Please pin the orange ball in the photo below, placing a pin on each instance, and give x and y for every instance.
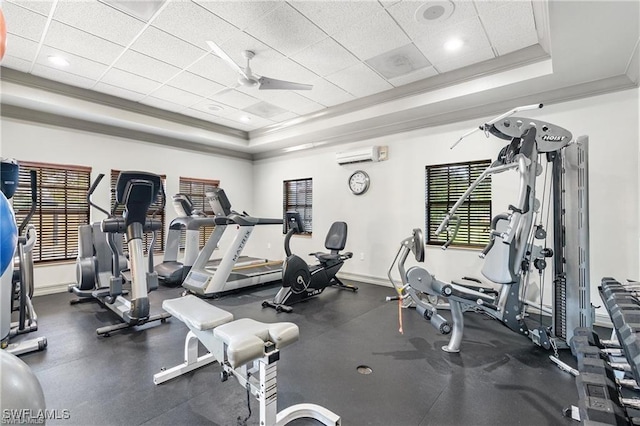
(3, 35)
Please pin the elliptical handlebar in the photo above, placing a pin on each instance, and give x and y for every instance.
(34, 202)
(93, 187)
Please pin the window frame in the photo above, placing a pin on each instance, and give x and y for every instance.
(146, 239)
(54, 223)
(199, 200)
(304, 206)
(452, 180)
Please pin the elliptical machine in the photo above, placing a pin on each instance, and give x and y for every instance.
(301, 281)
(136, 191)
(20, 280)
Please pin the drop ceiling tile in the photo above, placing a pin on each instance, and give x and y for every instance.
(99, 19)
(404, 14)
(41, 6)
(80, 43)
(146, 66)
(194, 24)
(118, 92)
(210, 107)
(416, 75)
(325, 57)
(61, 76)
(511, 27)
(488, 6)
(286, 30)
(162, 104)
(234, 99)
(167, 48)
(359, 80)
(245, 126)
(23, 22)
(265, 110)
(129, 81)
(199, 114)
(335, 16)
(16, 63)
(239, 13)
(21, 48)
(371, 37)
(398, 62)
(286, 69)
(195, 84)
(263, 54)
(284, 117)
(215, 69)
(326, 93)
(77, 65)
(292, 101)
(250, 120)
(476, 47)
(177, 96)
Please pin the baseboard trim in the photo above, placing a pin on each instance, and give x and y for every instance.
(368, 279)
(51, 289)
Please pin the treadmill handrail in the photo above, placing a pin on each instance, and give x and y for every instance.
(192, 223)
(251, 221)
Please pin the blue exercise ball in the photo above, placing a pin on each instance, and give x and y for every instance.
(8, 233)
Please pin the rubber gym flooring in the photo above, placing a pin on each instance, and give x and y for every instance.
(499, 378)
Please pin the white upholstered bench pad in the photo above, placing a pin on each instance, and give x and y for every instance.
(245, 338)
(196, 312)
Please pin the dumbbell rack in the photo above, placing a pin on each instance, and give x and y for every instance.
(609, 370)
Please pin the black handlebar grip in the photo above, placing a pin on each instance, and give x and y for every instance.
(94, 185)
(34, 186)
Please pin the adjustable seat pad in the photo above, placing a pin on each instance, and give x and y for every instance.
(245, 338)
(196, 312)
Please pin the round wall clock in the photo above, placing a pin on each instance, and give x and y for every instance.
(359, 182)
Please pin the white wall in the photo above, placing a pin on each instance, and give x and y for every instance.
(394, 204)
(34, 142)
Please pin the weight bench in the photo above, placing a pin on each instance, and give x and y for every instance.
(246, 349)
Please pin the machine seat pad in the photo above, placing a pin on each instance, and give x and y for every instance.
(325, 257)
(245, 338)
(196, 313)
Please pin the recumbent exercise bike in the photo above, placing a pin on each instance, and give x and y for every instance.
(301, 281)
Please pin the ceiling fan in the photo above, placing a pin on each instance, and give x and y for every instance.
(248, 79)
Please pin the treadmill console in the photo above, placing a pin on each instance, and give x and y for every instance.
(219, 202)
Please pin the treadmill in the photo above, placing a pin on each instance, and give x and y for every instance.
(171, 271)
(233, 271)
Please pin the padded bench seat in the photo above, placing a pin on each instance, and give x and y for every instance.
(196, 312)
(245, 338)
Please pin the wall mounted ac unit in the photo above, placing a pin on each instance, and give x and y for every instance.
(369, 153)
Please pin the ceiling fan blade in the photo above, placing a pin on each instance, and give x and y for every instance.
(222, 55)
(267, 83)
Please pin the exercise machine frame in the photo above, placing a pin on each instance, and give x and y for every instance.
(512, 252)
(301, 281)
(136, 191)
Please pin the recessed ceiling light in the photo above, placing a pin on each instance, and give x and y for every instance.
(435, 11)
(214, 107)
(453, 44)
(245, 118)
(58, 61)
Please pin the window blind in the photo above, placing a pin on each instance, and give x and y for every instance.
(61, 207)
(444, 185)
(196, 189)
(298, 195)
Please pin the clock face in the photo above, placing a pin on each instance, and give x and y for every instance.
(359, 182)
